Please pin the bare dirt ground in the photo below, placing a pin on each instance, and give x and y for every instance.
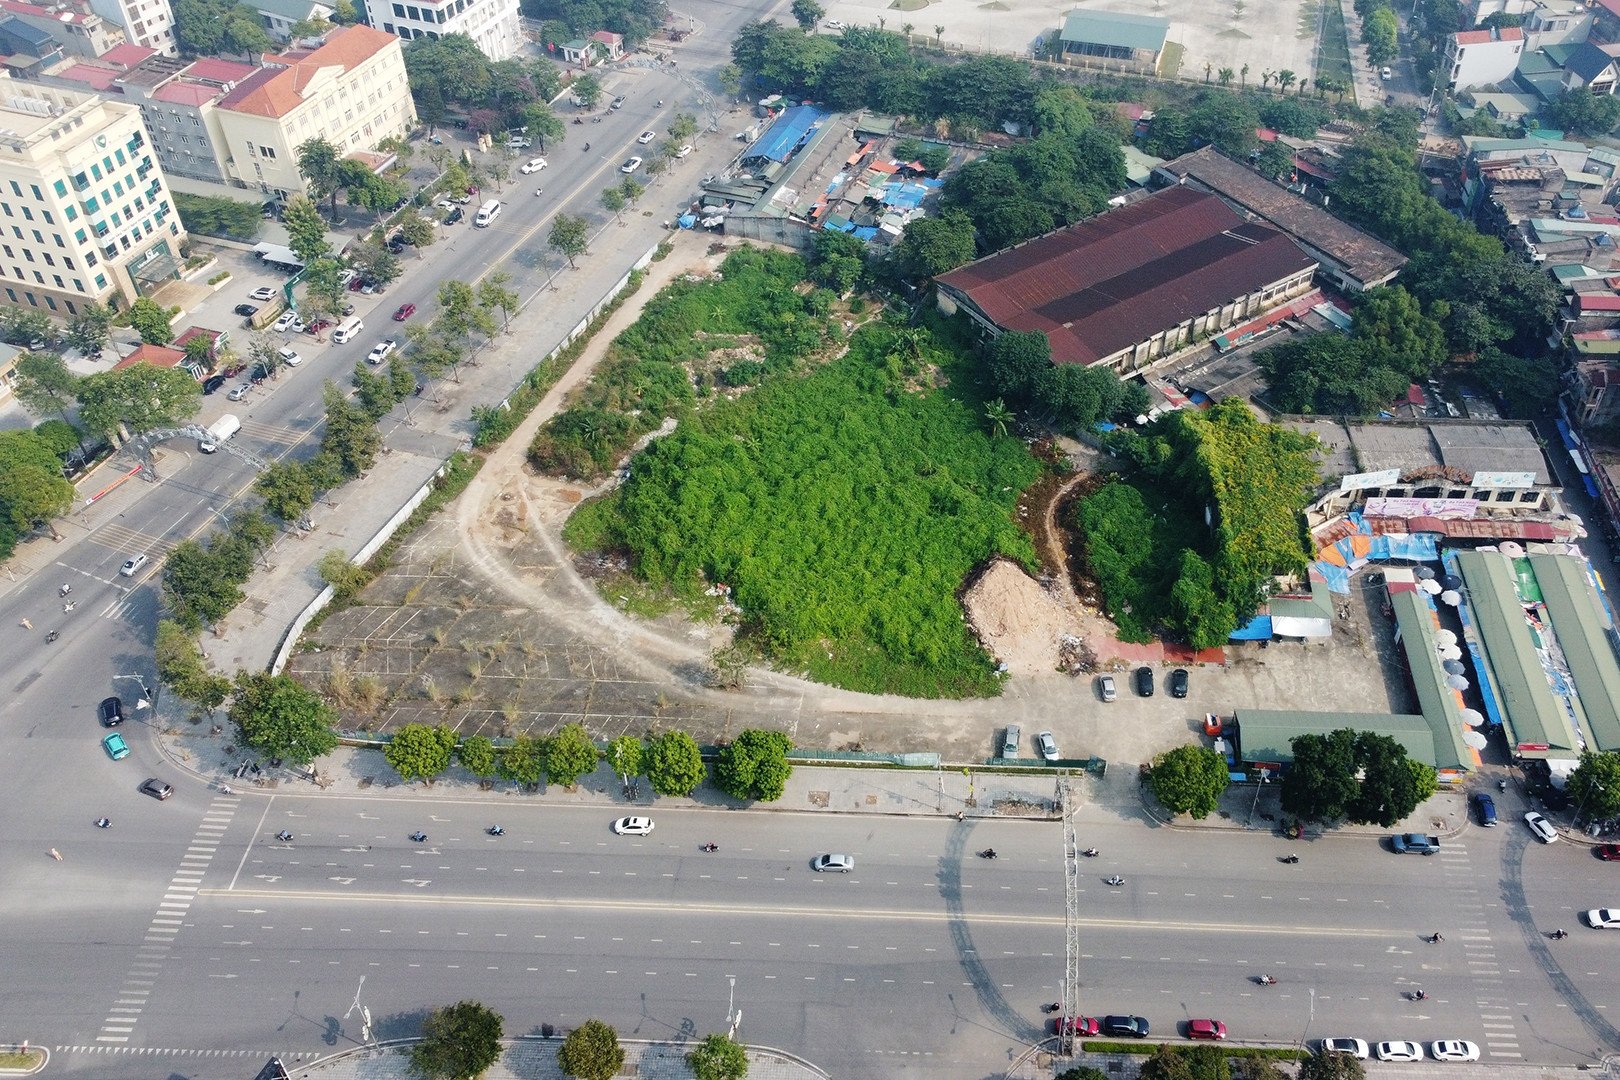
(485, 622)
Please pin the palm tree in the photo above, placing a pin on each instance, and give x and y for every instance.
(999, 416)
(1265, 80)
(1224, 77)
(1285, 79)
(1244, 73)
(938, 33)
(906, 28)
(882, 22)
(1208, 68)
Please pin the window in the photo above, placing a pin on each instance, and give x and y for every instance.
(269, 152)
(16, 189)
(48, 219)
(52, 303)
(29, 255)
(58, 279)
(35, 189)
(61, 189)
(72, 212)
(101, 281)
(28, 215)
(78, 236)
(95, 171)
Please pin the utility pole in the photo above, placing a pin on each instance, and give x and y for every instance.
(365, 1013)
(1071, 915)
(733, 1018)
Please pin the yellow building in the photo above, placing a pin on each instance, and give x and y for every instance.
(84, 210)
(350, 91)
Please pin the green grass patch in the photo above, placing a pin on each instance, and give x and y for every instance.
(1145, 1048)
(844, 508)
(1333, 51)
(21, 1060)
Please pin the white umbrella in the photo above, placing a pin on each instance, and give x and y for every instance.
(1430, 586)
(1424, 573)
(1471, 717)
(1474, 739)
(1456, 682)
(1511, 549)
(1451, 596)
(1451, 652)
(1446, 637)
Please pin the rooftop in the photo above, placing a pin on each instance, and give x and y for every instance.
(1467, 445)
(277, 91)
(1144, 32)
(1105, 284)
(127, 55)
(1365, 256)
(213, 69)
(18, 8)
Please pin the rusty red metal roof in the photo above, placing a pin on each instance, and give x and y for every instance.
(1109, 282)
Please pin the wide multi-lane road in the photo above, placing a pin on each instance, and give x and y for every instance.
(926, 957)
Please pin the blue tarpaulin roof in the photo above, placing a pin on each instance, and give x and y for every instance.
(1259, 629)
(782, 138)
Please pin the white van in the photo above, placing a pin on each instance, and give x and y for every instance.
(218, 432)
(487, 213)
(347, 329)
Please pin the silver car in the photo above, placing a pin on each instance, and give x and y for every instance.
(830, 864)
(1046, 746)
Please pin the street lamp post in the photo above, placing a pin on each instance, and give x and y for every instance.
(148, 698)
(733, 1017)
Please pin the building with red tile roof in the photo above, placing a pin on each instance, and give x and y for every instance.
(1132, 286)
(80, 33)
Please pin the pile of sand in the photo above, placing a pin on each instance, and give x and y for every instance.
(1016, 620)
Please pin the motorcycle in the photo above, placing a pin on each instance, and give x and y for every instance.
(1056, 1006)
(1559, 935)
(577, 120)
(710, 847)
(988, 853)
(1418, 995)
(419, 837)
(1289, 859)
(284, 836)
(495, 830)
(1116, 880)
(587, 148)
(1501, 785)
(1266, 980)
(1435, 938)
(52, 636)
(64, 590)
(1091, 853)
(104, 823)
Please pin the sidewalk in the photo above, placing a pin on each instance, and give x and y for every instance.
(536, 1059)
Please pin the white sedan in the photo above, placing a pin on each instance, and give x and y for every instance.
(630, 165)
(684, 150)
(1454, 1050)
(1399, 1051)
(533, 165)
(380, 353)
(1541, 827)
(633, 826)
(289, 357)
(1604, 918)
(1356, 1048)
(646, 137)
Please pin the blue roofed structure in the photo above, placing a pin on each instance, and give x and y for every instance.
(790, 131)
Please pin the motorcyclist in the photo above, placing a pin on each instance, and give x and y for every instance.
(284, 836)
(1116, 880)
(1267, 980)
(104, 823)
(1090, 853)
(419, 836)
(1420, 995)
(1435, 938)
(1560, 934)
(64, 590)
(496, 830)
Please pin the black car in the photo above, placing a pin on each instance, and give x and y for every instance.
(1134, 1026)
(110, 712)
(213, 384)
(1178, 682)
(453, 216)
(247, 311)
(1485, 807)
(1144, 681)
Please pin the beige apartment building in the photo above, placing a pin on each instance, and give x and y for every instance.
(351, 91)
(148, 23)
(85, 213)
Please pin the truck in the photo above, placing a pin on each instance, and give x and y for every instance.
(1414, 841)
(218, 432)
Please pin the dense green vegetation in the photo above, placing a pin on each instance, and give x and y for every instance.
(1159, 567)
(1360, 776)
(843, 508)
(231, 218)
(637, 20)
(451, 72)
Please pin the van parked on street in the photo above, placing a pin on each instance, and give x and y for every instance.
(347, 329)
(487, 213)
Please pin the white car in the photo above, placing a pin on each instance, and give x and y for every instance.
(380, 353)
(283, 324)
(834, 24)
(239, 392)
(533, 165)
(132, 565)
(1356, 1048)
(833, 864)
(1604, 918)
(633, 826)
(289, 357)
(630, 165)
(1454, 1050)
(262, 293)
(347, 276)
(1385, 73)
(684, 150)
(1046, 746)
(518, 144)
(1399, 1051)
(1541, 827)
(646, 137)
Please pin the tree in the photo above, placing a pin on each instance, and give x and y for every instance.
(306, 229)
(1584, 113)
(681, 128)
(587, 90)
(91, 329)
(197, 588)
(523, 762)
(613, 200)
(1321, 782)
(837, 260)
(417, 231)
(477, 755)
(152, 321)
(282, 717)
(181, 667)
(288, 488)
(351, 436)
(495, 293)
(1594, 787)
(459, 1042)
(1380, 33)
(44, 384)
(1189, 780)
(233, 219)
(718, 1057)
(341, 572)
(372, 260)
(674, 763)
(542, 123)
(420, 752)
(930, 246)
(1331, 1067)
(627, 755)
(591, 1052)
(754, 765)
(139, 398)
(32, 490)
(318, 165)
(568, 237)
(570, 754)
(807, 13)
(21, 326)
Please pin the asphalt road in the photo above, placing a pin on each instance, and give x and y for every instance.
(922, 959)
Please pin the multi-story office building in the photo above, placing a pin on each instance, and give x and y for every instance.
(351, 91)
(84, 210)
(81, 33)
(145, 22)
(493, 24)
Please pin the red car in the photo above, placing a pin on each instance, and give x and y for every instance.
(405, 311)
(1080, 1025)
(317, 326)
(1609, 852)
(1206, 1029)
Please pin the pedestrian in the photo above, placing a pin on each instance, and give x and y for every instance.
(26, 625)
(960, 816)
(57, 855)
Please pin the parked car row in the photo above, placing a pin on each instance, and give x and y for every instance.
(1440, 1049)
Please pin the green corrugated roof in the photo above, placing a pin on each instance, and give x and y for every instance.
(1582, 629)
(1264, 734)
(1437, 701)
(1145, 32)
(1530, 710)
